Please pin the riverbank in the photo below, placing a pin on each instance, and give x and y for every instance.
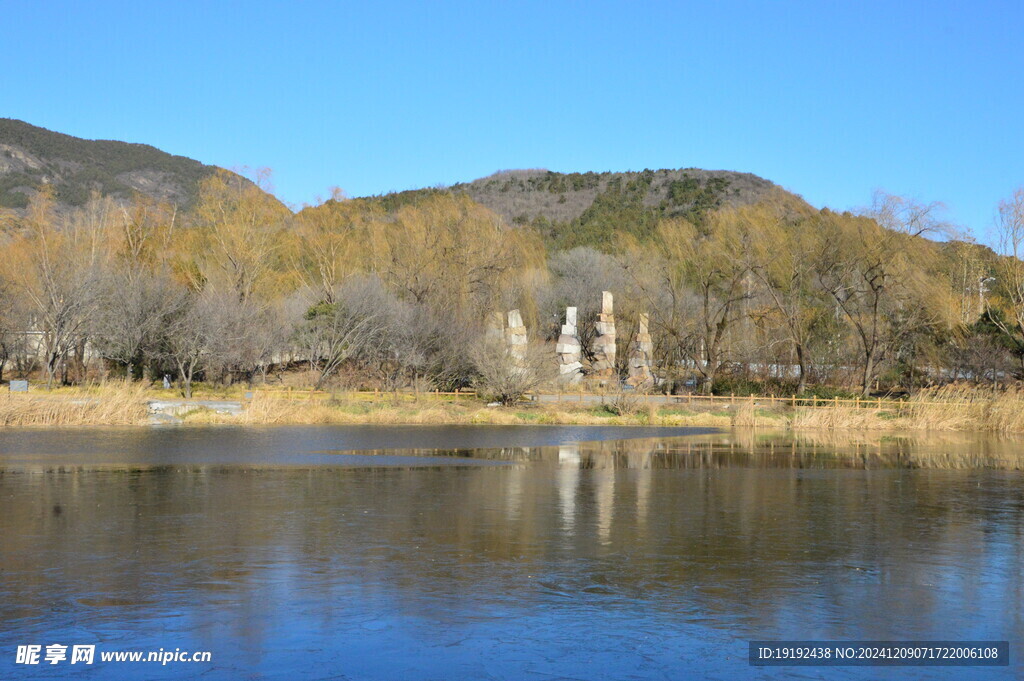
(119, 404)
(947, 409)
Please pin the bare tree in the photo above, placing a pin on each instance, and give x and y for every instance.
(333, 332)
(505, 377)
(1009, 278)
(909, 216)
(132, 311)
(251, 334)
(864, 265)
(407, 340)
(189, 336)
(784, 259)
(695, 284)
(14, 321)
(578, 278)
(56, 271)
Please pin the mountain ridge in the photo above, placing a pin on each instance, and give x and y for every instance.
(568, 209)
(32, 156)
(589, 208)
(662, 184)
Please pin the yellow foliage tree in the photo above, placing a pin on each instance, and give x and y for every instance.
(453, 255)
(238, 242)
(330, 243)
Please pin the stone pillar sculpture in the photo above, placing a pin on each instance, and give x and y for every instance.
(641, 355)
(516, 335)
(604, 345)
(569, 350)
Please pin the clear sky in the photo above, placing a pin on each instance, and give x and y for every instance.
(828, 99)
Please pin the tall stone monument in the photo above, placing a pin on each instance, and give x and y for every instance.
(604, 345)
(641, 356)
(569, 350)
(516, 335)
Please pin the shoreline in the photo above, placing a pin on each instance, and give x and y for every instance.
(136, 405)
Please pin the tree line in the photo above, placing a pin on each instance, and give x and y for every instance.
(774, 297)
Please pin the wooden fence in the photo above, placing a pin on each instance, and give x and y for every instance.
(604, 398)
(298, 394)
(756, 400)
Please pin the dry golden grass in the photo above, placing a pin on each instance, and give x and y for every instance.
(957, 407)
(704, 419)
(749, 415)
(838, 417)
(108, 405)
(949, 408)
(268, 409)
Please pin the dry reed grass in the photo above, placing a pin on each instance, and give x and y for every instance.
(267, 409)
(838, 417)
(107, 405)
(704, 419)
(749, 415)
(948, 408)
(958, 407)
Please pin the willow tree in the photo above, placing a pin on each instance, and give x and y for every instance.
(235, 258)
(330, 243)
(54, 264)
(971, 269)
(783, 259)
(239, 237)
(695, 282)
(136, 291)
(879, 271)
(454, 256)
(1009, 279)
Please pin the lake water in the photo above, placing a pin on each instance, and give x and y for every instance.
(501, 552)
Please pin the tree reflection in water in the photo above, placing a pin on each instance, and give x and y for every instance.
(644, 557)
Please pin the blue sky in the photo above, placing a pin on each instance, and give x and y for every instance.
(828, 99)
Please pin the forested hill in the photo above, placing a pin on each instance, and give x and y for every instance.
(31, 156)
(573, 209)
(568, 209)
